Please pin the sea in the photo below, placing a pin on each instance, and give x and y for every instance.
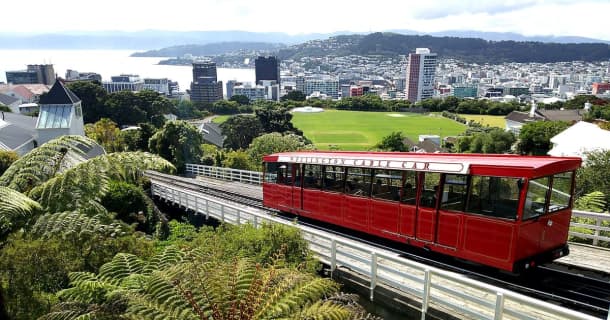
(109, 63)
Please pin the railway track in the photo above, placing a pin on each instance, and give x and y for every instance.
(576, 288)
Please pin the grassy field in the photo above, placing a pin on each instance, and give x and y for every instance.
(353, 130)
(220, 119)
(492, 121)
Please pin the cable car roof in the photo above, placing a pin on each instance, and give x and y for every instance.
(463, 163)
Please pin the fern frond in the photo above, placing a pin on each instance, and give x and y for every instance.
(324, 311)
(170, 256)
(75, 226)
(121, 266)
(16, 210)
(44, 162)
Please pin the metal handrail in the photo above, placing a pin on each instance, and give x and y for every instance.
(433, 287)
(255, 177)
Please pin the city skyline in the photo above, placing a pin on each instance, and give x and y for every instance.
(526, 17)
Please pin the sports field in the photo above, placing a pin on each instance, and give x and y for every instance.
(354, 130)
(492, 121)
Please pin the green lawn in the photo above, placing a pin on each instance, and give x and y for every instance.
(492, 121)
(354, 130)
(220, 119)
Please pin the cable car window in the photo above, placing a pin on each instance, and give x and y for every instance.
(284, 174)
(271, 169)
(386, 184)
(561, 191)
(494, 197)
(313, 176)
(537, 194)
(454, 192)
(333, 178)
(409, 190)
(358, 182)
(429, 189)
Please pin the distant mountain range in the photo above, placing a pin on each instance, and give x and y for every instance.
(154, 39)
(465, 49)
(210, 49)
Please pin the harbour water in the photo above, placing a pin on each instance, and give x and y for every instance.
(109, 63)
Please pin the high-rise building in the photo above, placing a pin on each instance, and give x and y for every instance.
(205, 87)
(421, 67)
(35, 73)
(267, 68)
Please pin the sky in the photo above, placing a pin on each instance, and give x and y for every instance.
(586, 18)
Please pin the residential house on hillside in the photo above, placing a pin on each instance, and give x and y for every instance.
(516, 119)
(17, 133)
(60, 114)
(11, 102)
(27, 93)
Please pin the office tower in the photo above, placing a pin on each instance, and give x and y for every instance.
(35, 73)
(421, 67)
(205, 87)
(267, 68)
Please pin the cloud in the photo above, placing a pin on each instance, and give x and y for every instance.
(435, 10)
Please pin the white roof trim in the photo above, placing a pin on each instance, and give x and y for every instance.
(389, 163)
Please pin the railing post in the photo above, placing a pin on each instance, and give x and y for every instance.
(222, 213)
(238, 217)
(499, 306)
(426, 298)
(207, 209)
(598, 223)
(333, 256)
(255, 222)
(373, 274)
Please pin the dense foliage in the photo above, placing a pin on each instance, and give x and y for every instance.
(393, 142)
(535, 137)
(595, 175)
(179, 142)
(6, 159)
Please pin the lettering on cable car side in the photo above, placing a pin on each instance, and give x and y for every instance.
(453, 167)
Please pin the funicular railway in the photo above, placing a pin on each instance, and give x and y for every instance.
(476, 300)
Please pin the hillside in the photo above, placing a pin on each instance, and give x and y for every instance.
(466, 49)
(209, 49)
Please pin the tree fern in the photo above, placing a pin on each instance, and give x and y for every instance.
(44, 162)
(76, 226)
(82, 187)
(16, 210)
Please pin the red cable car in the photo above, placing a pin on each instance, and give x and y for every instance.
(506, 211)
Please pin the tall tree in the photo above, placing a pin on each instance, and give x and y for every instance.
(93, 97)
(275, 142)
(294, 95)
(276, 119)
(392, 142)
(106, 133)
(535, 138)
(240, 130)
(178, 142)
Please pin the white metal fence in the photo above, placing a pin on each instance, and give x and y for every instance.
(432, 287)
(590, 225)
(244, 176)
(594, 226)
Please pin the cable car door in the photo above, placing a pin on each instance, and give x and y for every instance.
(426, 214)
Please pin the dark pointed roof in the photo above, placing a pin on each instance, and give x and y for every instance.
(59, 94)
